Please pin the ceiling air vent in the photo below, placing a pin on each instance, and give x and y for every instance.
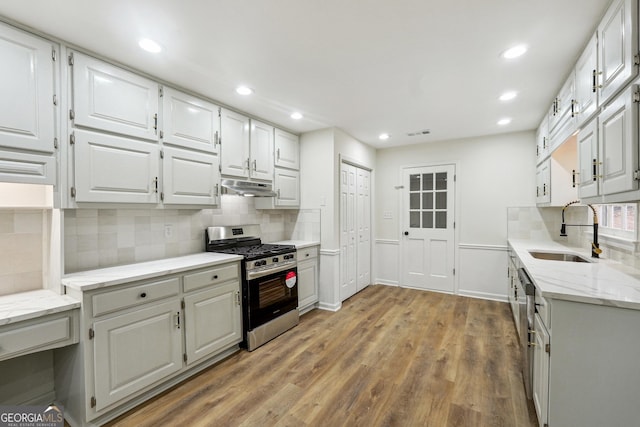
(420, 132)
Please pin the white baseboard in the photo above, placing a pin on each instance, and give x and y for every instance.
(330, 307)
(386, 282)
(483, 295)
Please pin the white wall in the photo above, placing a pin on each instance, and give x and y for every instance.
(493, 173)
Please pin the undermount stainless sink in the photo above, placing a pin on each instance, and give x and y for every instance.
(558, 256)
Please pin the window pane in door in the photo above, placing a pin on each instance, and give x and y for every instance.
(427, 181)
(427, 200)
(441, 181)
(441, 200)
(414, 183)
(427, 219)
(441, 219)
(414, 219)
(414, 201)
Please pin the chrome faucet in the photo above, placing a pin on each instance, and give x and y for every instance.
(595, 247)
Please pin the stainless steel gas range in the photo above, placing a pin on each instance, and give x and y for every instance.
(269, 281)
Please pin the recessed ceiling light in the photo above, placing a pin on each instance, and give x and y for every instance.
(384, 136)
(505, 121)
(296, 116)
(508, 96)
(244, 90)
(514, 52)
(150, 46)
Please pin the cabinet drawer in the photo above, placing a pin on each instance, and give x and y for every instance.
(210, 276)
(135, 295)
(40, 334)
(307, 253)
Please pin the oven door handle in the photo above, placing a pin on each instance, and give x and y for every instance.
(261, 273)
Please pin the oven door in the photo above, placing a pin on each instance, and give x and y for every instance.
(271, 296)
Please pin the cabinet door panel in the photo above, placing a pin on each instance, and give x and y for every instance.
(541, 372)
(27, 87)
(287, 150)
(586, 90)
(114, 169)
(134, 350)
(261, 151)
(189, 177)
(587, 155)
(307, 282)
(234, 150)
(618, 45)
(619, 144)
(112, 99)
(287, 185)
(27, 168)
(212, 320)
(190, 122)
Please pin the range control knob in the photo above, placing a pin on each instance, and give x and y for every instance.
(275, 259)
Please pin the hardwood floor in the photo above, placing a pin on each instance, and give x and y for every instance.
(389, 357)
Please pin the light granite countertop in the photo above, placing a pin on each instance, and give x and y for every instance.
(95, 279)
(30, 305)
(601, 281)
(299, 244)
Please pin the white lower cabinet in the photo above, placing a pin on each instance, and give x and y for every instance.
(212, 320)
(308, 271)
(138, 339)
(135, 350)
(540, 370)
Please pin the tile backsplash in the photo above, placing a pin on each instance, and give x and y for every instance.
(95, 238)
(23, 240)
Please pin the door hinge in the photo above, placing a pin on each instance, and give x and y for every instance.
(53, 54)
(71, 59)
(73, 194)
(238, 297)
(55, 143)
(636, 175)
(636, 96)
(455, 177)
(161, 134)
(162, 196)
(91, 333)
(219, 112)
(161, 91)
(454, 224)
(220, 168)
(55, 99)
(184, 357)
(182, 304)
(161, 154)
(93, 401)
(547, 348)
(72, 115)
(636, 59)
(454, 271)
(72, 139)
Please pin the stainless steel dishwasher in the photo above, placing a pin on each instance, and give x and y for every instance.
(527, 316)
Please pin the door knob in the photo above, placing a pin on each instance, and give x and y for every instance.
(406, 233)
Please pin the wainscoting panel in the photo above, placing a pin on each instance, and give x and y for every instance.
(483, 271)
(386, 268)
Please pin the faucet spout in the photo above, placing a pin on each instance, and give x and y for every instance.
(595, 246)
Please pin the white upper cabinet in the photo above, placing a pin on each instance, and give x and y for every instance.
(109, 98)
(234, 149)
(562, 121)
(287, 150)
(189, 177)
(586, 90)
(618, 144)
(542, 140)
(618, 39)
(287, 186)
(189, 122)
(261, 151)
(588, 159)
(543, 182)
(113, 169)
(27, 110)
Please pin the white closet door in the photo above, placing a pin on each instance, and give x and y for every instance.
(363, 223)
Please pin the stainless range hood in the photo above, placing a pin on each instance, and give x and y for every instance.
(248, 188)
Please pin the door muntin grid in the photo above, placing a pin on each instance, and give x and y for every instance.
(428, 200)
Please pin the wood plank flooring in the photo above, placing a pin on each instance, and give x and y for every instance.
(389, 357)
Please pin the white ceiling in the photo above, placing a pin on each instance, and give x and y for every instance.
(365, 66)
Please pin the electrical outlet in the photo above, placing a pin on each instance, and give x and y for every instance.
(168, 230)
